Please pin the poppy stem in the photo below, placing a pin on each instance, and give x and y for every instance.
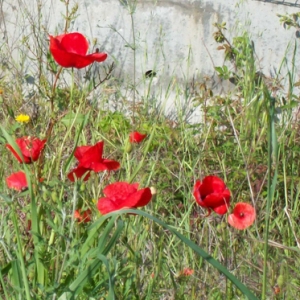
(72, 89)
(67, 18)
(51, 124)
(48, 135)
(272, 160)
(54, 89)
(20, 255)
(134, 63)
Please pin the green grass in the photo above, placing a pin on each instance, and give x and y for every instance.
(240, 138)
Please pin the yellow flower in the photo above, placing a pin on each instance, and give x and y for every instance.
(22, 118)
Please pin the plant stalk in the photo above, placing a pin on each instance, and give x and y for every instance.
(272, 157)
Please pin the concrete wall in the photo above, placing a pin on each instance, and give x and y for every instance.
(173, 37)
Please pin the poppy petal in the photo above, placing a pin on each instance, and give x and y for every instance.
(98, 57)
(74, 42)
(120, 189)
(79, 172)
(212, 193)
(243, 216)
(140, 198)
(197, 194)
(216, 199)
(93, 154)
(120, 195)
(79, 151)
(106, 205)
(211, 184)
(26, 160)
(106, 164)
(221, 209)
(17, 181)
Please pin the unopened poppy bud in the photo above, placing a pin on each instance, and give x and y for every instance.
(280, 280)
(74, 9)
(45, 196)
(128, 148)
(31, 274)
(54, 196)
(41, 248)
(82, 187)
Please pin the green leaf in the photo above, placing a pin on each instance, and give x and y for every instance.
(106, 242)
(72, 119)
(6, 198)
(111, 293)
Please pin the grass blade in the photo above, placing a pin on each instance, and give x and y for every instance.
(193, 246)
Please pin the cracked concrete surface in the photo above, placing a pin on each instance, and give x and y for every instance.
(173, 37)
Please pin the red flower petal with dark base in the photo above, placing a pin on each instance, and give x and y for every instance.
(30, 147)
(212, 193)
(136, 137)
(121, 195)
(17, 181)
(243, 216)
(69, 50)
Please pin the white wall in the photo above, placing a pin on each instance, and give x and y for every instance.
(174, 37)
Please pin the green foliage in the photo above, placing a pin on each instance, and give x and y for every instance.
(289, 20)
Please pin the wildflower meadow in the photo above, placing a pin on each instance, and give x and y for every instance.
(127, 204)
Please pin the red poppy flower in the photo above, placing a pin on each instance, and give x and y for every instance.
(243, 216)
(70, 51)
(30, 147)
(90, 159)
(186, 272)
(136, 137)
(84, 216)
(17, 181)
(212, 194)
(121, 195)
